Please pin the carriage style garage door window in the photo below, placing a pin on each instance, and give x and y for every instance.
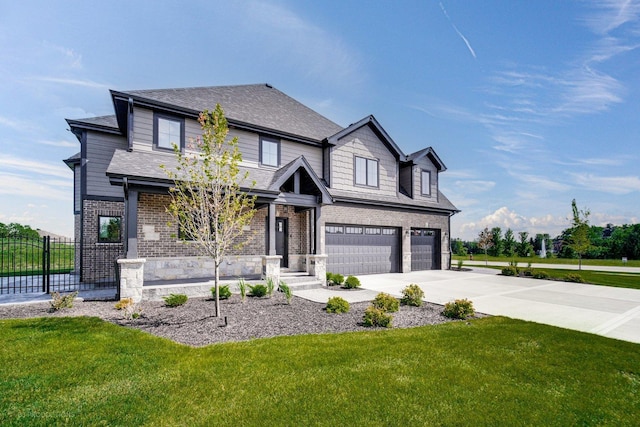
(357, 249)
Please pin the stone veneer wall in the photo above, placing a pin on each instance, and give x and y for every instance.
(389, 217)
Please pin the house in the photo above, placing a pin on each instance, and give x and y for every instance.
(329, 198)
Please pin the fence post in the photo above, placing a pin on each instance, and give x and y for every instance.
(44, 263)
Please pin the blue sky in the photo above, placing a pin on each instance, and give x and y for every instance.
(528, 104)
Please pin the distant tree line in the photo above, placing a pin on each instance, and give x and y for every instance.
(610, 242)
(17, 231)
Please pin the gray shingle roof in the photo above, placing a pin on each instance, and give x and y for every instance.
(258, 104)
(443, 203)
(146, 166)
(101, 121)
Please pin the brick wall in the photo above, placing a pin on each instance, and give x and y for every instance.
(98, 258)
(158, 232)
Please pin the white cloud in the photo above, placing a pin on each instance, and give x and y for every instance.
(612, 14)
(34, 167)
(72, 82)
(29, 187)
(506, 218)
(607, 184)
(61, 143)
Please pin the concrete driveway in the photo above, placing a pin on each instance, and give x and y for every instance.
(602, 310)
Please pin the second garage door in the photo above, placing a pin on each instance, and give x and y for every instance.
(355, 249)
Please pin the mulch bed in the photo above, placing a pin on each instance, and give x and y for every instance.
(194, 323)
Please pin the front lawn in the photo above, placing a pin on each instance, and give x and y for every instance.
(491, 371)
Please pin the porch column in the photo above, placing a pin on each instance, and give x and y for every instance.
(272, 230)
(131, 216)
(131, 278)
(319, 238)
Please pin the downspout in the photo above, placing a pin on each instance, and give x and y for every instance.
(130, 125)
(449, 227)
(125, 187)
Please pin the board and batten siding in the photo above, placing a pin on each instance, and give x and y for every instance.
(363, 143)
(77, 189)
(100, 148)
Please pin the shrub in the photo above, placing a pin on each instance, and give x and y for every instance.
(573, 277)
(386, 302)
(510, 271)
(351, 282)
(242, 287)
(270, 286)
(174, 300)
(59, 301)
(460, 263)
(123, 303)
(223, 292)
(286, 290)
(528, 272)
(459, 309)
(337, 279)
(540, 275)
(257, 290)
(329, 279)
(337, 305)
(129, 309)
(412, 295)
(374, 316)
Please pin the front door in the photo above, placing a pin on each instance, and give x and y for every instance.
(282, 241)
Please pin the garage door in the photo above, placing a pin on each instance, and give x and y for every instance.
(355, 249)
(424, 249)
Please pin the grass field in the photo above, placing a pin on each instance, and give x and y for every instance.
(523, 261)
(492, 371)
(22, 257)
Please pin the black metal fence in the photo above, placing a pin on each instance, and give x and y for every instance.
(57, 265)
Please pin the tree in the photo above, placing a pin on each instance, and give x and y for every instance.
(206, 199)
(524, 247)
(509, 243)
(498, 243)
(457, 247)
(579, 239)
(485, 242)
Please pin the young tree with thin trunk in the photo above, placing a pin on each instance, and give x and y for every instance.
(206, 200)
(579, 239)
(485, 242)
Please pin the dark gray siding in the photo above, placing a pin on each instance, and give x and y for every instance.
(100, 148)
(76, 189)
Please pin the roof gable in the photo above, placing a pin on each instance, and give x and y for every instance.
(287, 171)
(431, 154)
(375, 126)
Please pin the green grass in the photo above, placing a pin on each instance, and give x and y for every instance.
(523, 261)
(20, 257)
(615, 279)
(492, 371)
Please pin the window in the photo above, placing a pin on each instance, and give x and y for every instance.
(425, 183)
(389, 231)
(168, 131)
(334, 229)
(109, 229)
(353, 230)
(366, 172)
(372, 231)
(269, 152)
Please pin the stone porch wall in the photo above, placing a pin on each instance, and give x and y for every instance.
(180, 268)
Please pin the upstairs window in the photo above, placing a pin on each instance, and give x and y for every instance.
(269, 152)
(366, 172)
(425, 183)
(168, 131)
